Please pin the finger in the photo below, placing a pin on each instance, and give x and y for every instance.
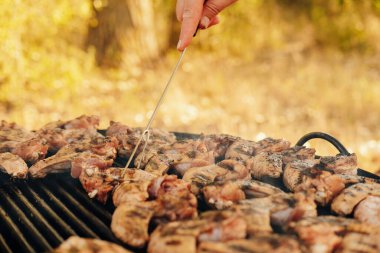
(192, 12)
(214, 21)
(179, 9)
(212, 8)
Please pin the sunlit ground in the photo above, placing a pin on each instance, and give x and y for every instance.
(284, 95)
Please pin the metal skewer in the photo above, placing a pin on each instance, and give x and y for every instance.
(147, 128)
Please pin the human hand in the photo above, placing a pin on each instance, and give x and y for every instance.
(197, 12)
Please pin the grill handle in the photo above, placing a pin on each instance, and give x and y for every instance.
(319, 135)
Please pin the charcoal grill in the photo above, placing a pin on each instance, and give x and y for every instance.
(36, 215)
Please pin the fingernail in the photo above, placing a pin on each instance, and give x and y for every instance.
(179, 44)
(205, 22)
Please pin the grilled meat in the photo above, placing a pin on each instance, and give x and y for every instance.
(241, 150)
(11, 135)
(368, 210)
(134, 187)
(99, 148)
(359, 243)
(96, 177)
(85, 245)
(180, 156)
(31, 150)
(221, 172)
(297, 153)
(258, 244)
(224, 195)
(324, 233)
(182, 236)
(130, 222)
(346, 201)
(283, 208)
(174, 199)
(128, 138)
(13, 165)
(265, 164)
(340, 164)
(304, 175)
(219, 143)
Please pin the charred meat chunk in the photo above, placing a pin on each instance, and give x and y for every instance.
(13, 165)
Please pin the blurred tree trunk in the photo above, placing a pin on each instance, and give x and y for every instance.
(123, 32)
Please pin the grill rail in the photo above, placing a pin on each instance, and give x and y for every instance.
(38, 215)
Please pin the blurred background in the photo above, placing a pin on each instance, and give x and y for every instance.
(279, 68)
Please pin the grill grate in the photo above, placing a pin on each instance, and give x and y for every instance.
(37, 215)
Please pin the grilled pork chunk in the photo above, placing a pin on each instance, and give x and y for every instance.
(359, 243)
(102, 149)
(128, 138)
(241, 150)
(130, 222)
(174, 199)
(324, 233)
(180, 156)
(182, 236)
(297, 153)
(11, 134)
(346, 201)
(265, 164)
(340, 164)
(223, 195)
(31, 150)
(219, 143)
(134, 187)
(368, 210)
(97, 176)
(13, 165)
(222, 172)
(270, 243)
(304, 175)
(85, 245)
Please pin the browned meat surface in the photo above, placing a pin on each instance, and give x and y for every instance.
(283, 208)
(368, 210)
(134, 187)
(31, 150)
(324, 233)
(258, 244)
(182, 236)
(174, 199)
(241, 150)
(346, 201)
(297, 153)
(13, 165)
(340, 164)
(222, 172)
(97, 178)
(304, 175)
(180, 156)
(103, 150)
(223, 195)
(271, 145)
(265, 164)
(86, 245)
(81, 122)
(12, 134)
(130, 222)
(219, 143)
(128, 138)
(359, 243)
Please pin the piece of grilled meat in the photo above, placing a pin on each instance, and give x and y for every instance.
(219, 143)
(11, 134)
(85, 245)
(221, 172)
(134, 187)
(130, 222)
(359, 243)
(270, 243)
(128, 138)
(340, 164)
(222, 195)
(323, 234)
(13, 165)
(182, 236)
(368, 210)
(346, 201)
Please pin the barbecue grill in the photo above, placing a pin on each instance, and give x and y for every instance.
(36, 215)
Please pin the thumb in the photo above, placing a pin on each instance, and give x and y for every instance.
(212, 8)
